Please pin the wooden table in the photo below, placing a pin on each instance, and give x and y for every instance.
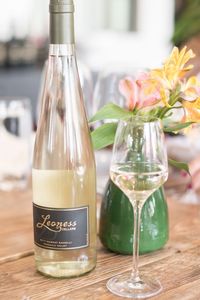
(177, 265)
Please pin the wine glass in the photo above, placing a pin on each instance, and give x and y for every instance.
(15, 137)
(107, 85)
(139, 166)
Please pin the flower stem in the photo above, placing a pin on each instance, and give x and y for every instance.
(173, 99)
(163, 112)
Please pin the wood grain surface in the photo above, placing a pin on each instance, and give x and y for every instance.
(177, 266)
(16, 221)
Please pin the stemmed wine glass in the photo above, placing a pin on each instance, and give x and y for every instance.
(139, 166)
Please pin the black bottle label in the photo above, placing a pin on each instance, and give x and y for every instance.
(60, 229)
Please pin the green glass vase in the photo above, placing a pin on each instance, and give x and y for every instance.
(116, 222)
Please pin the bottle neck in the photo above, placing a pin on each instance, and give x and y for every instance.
(57, 50)
(62, 28)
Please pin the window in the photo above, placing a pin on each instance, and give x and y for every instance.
(124, 31)
(121, 15)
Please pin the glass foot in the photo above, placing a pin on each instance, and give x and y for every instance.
(139, 288)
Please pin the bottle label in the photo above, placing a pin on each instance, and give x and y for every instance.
(60, 229)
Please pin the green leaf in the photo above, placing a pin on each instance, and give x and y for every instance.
(109, 112)
(179, 165)
(177, 127)
(104, 135)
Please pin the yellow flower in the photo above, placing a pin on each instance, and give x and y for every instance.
(190, 93)
(165, 96)
(174, 68)
(153, 86)
(190, 90)
(192, 111)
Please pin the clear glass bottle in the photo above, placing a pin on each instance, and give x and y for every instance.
(64, 177)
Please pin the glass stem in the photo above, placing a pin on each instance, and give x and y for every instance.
(136, 241)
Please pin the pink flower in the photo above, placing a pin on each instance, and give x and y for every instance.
(141, 92)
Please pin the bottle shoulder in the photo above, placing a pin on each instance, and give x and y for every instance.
(63, 136)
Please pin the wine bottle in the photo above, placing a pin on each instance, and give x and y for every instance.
(63, 176)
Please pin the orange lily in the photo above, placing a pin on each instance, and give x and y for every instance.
(190, 91)
(191, 111)
(139, 93)
(174, 68)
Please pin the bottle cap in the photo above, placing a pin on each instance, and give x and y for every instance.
(61, 6)
(61, 21)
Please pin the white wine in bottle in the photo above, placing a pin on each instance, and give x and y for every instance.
(64, 178)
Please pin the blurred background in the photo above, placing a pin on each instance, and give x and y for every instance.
(113, 38)
(135, 32)
(138, 33)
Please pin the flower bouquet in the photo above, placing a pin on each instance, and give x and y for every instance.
(158, 93)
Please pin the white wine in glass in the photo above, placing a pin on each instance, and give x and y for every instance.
(138, 180)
